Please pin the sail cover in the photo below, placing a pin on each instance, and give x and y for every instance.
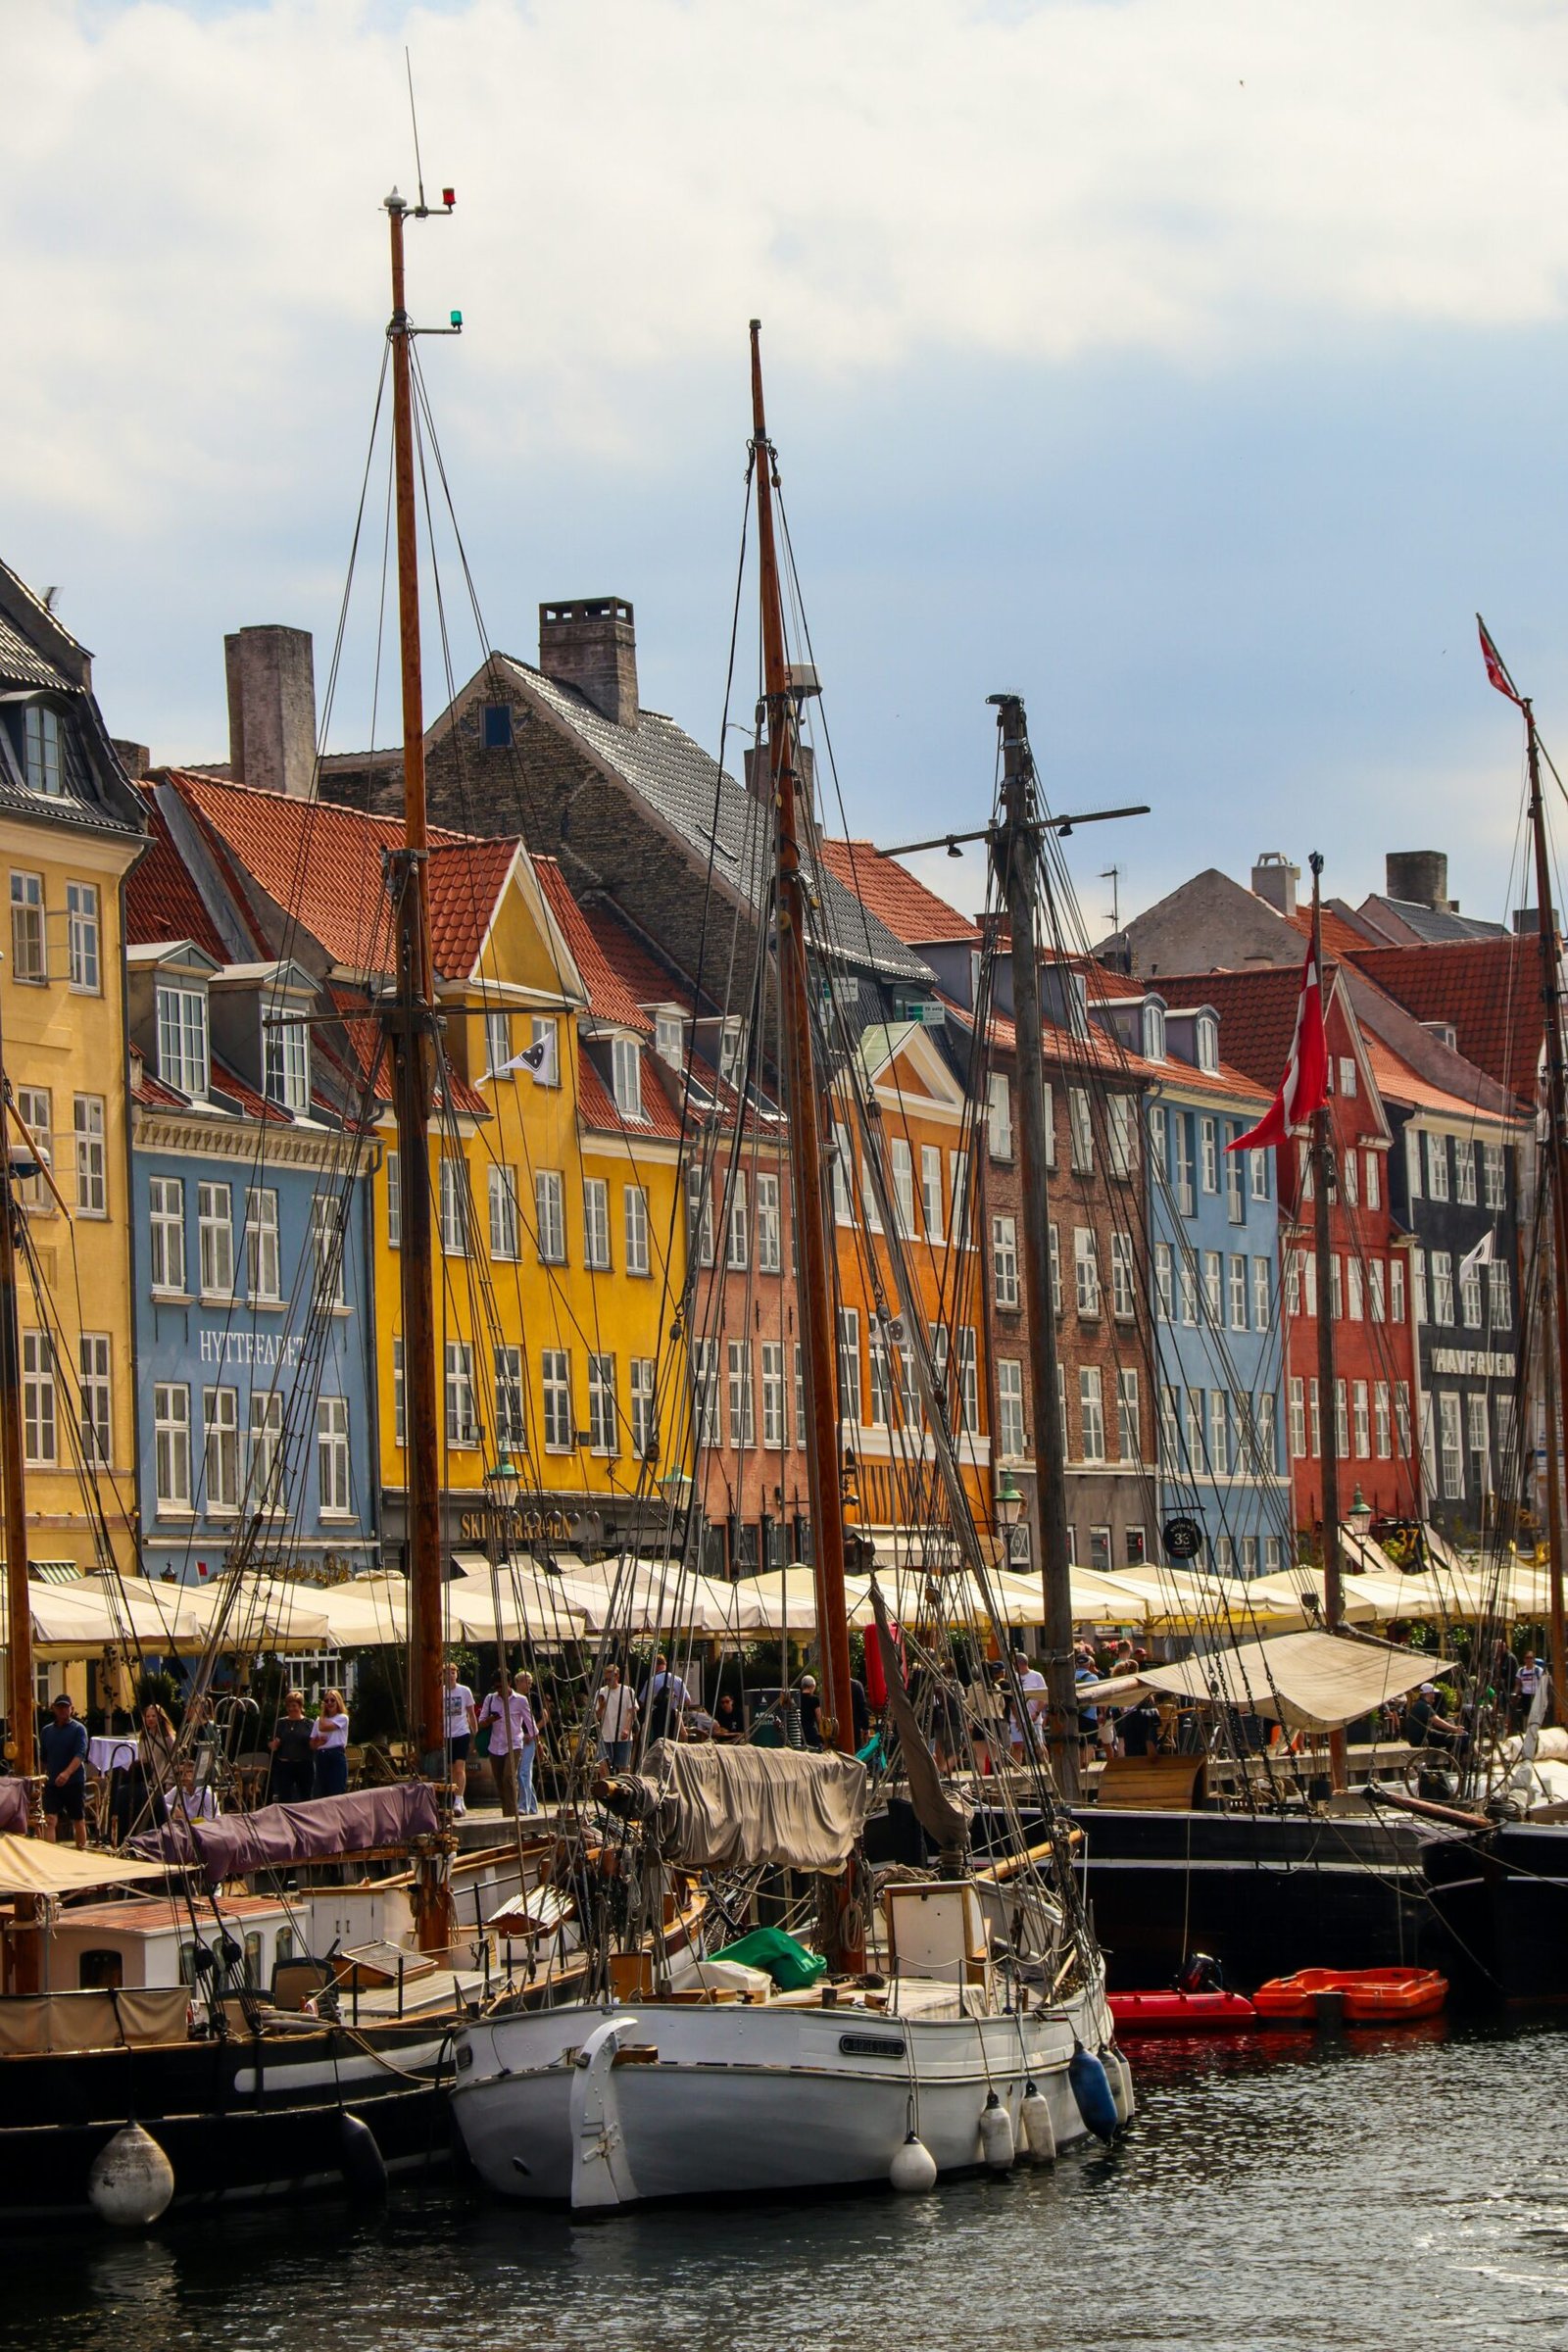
(733, 1808)
(316, 1829)
(1309, 1681)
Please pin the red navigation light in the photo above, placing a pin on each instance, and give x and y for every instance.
(449, 197)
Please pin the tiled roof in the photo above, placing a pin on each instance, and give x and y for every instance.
(465, 882)
(646, 980)
(598, 1109)
(1487, 990)
(1397, 1082)
(1340, 938)
(1403, 920)
(21, 664)
(910, 912)
(1257, 1014)
(162, 900)
(609, 997)
(714, 817)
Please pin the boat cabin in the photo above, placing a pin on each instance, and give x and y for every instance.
(150, 1942)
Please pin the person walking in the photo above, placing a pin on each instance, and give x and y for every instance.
(63, 1754)
(527, 1746)
(616, 1713)
(665, 1700)
(502, 1719)
(329, 1743)
(461, 1721)
(293, 1773)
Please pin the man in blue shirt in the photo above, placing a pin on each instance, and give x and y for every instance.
(63, 1753)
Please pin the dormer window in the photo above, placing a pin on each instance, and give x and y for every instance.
(627, 1076)
(41, 750)
(1208, 1041)
(1154, 1033)
(731, 1051)
(669, 1037)
(182, 1039)
(286, 1059)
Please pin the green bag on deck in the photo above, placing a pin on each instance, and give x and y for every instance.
(791, 1966)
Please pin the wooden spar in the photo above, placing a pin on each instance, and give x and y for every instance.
(1018, 859)
(26, 1974)
(1558, 1180)
(1323, 1180)
(410, 1022)
(815, 1290)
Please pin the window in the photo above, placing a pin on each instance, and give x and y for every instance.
(1335, 1288)
(172, 1445)
(1413, 1160)
(1257, 1166)
(92, 1198)
(332, 1457)
(1441, 1286)
(1086, 1270)
(327, 1250)
(1234, 1201)
(1354, 1290)
(1091, 1408)
(1209, 1139)
(41, 749)
(509, 1425)
(263, 1263)
(1347, 1074)
(1450, 1448)
(1129, 1418)
(502, 1183)
(1378, 1289)
(1056, 1270)
(455, 1204)
(705, 1390)
(959, 1183)
(462, 1429)
(1119, 1144)
(1082, 1132)
(969, 1381)
(1262, 1293)
(1348, 1179)
(1480, 1449)
(1374, 1181)
(400, 1398)
(800, 1396)
(1219, 1434)
(868, 1204)
(220, 1444)
(1438, 1167)
(627, 1076)
(1401, 1418)
(1124, 1296)
(1508, 1436)
(604, 1435)
(497, 726)
(1154, 1033)
(1470, 1297)
(634, 1225)
(1382, 1421)
(1464, 1171)
(1298, 1394)
(1005, 1260)
(1341, 1419)
(394, 1201)
(670, 1032)
(931, 1190)
(266, 1439)
(732, 1051)
(843, 1172)
(1195, 1430)
(1169, 1433)
(215, 1228)
(1208, 1041)
(1418, 1282)
(1238, 1289)
(30, 955)
(903, 1158)
(999, 1094)
(498, 1044)
(84, 936)
(1295, 1262)
(596, 1224)
(1009, 1407)
(1164, 1291)
(1502, 1295)
(550, 1216)
(1158, 1154)
(644, 1426)
(1360, 1421)
(700, 1214)
(1215, 1286)
(286, 1063)
(1268, 1434)
(1189, 1289)
(774, 1431)
(742, 1415)
(1314, 1418)
(1494, 1175)
(769, 1226)
(883, 1415)
(1186, 1198)
(166, 1197)
(849, 1364)
(546, 1042)
(95, 1399)
(740, 1230)
(1395, 1290)
(1309, 1179)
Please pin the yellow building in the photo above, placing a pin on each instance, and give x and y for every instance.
(70, 828)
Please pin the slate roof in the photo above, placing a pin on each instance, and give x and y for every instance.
(21, 664)
(910, 912)
(1487, 990)
(709, 811)
(1398, 918)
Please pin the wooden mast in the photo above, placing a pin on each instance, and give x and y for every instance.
(1017, 861)
(1328, 1411)
(1558, 1179)
(410, 1023)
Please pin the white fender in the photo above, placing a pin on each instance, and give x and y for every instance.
(600, 2172)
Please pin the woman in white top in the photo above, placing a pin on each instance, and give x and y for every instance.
(615, 1709)
(510, 1720)
(331, 1744)
(461, 1720)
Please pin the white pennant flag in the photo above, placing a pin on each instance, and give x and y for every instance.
(1482, 1255)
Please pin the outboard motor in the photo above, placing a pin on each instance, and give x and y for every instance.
(1201, 1972)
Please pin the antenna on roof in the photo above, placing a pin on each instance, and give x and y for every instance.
(1113, 875)
(418, 168)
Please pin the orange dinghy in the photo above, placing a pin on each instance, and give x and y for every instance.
(1368, 1996)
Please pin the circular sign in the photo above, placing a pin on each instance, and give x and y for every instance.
(1183, 1538)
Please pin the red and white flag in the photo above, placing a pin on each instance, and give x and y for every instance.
(1305, 1087)
(1496, 674)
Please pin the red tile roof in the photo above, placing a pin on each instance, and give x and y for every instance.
(1256, 1012)
(645, 980)
(465, 882)
(1397, 1082)
(162, 900)
(1488, 990)
(910, 912)
(598, 1109)
(609, 997)
(1340, 938)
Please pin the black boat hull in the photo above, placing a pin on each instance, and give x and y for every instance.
(1503, 1903)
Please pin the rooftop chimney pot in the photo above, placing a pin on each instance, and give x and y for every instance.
(1419, 876)
(271, 708)
(590, 642)
(1274, 881)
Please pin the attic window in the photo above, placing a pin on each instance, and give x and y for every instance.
(1154, 1033)
(731, 1051)
(41, 746)
(669, 1037)
(1208, 1041)
(497, 727)
(286, 1049)
(626, 1074)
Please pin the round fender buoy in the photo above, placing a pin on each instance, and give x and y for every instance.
(914, 2168)
(360, 2160)
(1039, 2132)
(1092, 2090)
(132, 2183)
(996, 2143)
(1127, 2104)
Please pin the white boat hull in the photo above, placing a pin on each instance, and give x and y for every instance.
(608, 2107)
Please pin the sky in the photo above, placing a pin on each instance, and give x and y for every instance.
(1196, 368)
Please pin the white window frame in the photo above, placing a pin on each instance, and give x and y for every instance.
(95, 1396)
(635, 1228)
(1010, 1408)
(333, 1459)
(263, 1258)
(604, 1412)
(596, 1224)
(550, 1216)
(221, 1481)
(506, 1225)
(166, 1227)
(83, 938)
(555, 1384)
(172, 1445)
(626, 1078)
(461, 1421)
(214, 1241)
(1005, 1261)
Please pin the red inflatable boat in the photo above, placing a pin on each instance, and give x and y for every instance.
(1370, 1996)
(1182, 2012)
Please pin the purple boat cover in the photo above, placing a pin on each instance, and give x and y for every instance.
(14, 1806)
(280, 1836)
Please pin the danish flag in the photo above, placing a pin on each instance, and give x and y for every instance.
(1495, 672)
(1303, 1089)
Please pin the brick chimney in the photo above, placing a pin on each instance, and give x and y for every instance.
(271, 708)
(590, 642)
(1420, 877)
(1274, 881)
(135, 757)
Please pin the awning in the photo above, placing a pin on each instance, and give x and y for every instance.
(1308, 1681)
(32, 1866)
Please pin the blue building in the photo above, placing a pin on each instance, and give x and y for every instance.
(251, 1256)
(1213, 1228)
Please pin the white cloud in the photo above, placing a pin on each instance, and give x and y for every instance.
(197, 266)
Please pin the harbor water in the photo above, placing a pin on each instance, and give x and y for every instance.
(1382, 2191)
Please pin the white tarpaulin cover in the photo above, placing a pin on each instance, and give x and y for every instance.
(732, 1808)
(32, 1866)
(1309, 1681)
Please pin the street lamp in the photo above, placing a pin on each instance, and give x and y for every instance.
(503, 1484)
(1010, 1503)
(1358, 1518)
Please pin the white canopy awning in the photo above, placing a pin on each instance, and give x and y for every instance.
(1308, 1681)
(32, 1866)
